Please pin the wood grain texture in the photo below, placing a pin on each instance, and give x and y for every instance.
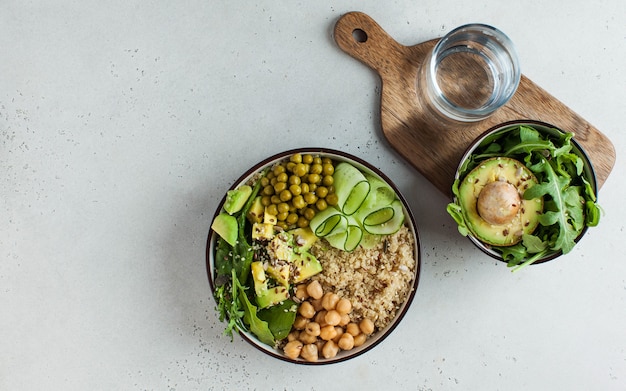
(432, 145)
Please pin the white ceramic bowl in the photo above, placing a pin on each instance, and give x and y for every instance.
(380, 335)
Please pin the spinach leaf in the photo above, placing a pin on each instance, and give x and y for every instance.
(280, 318)
(258, 327)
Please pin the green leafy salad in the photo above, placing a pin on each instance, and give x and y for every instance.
(267, 226)
(525, 194)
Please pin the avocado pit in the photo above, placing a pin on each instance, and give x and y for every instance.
(498, 202)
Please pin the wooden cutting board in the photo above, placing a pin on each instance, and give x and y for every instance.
(435, 147)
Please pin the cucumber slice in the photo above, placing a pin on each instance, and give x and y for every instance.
(351, 188)
(370, 241)
(391, 226)
(380, 193)
(348, 239)
(328, 222)
(379, 216)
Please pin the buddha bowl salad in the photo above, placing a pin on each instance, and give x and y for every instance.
(526, 193)
(265, 267)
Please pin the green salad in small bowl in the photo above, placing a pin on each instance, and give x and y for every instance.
(525, 193)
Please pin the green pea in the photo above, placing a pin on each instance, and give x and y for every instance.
(331, 199)
(292, 218)
(296, 158)
(309, 213)
(300, 169)
(328, 180)
(302, 222)
(294, 180)
(295, 189)
(321, 191)
(321, 204)
(272, 209)
(298, 202)
(279, 187)
(279, 169)
(283, 207)
(316, 169)
(282, 177)
(285, 195)
(314, 178)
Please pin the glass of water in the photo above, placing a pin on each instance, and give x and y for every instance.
(470, 73)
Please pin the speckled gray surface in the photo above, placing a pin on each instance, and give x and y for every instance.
(122, 123)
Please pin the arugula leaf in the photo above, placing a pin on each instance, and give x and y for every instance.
(556, 187)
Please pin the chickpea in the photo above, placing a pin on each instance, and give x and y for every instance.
(293, 349)
(339, 331)
(307, 338)
(332, 318)
(353, 329)
(293, 336)
(330, 349)
(306, 310)
(359, 340)
(343, 306)
(320, 344)
(317, 304)
(345, 319)
(309, 352)
(320, 317)
(366, 326)
(328, 332)
(301, 292)
(329, 300)
(314, 289)
(346, 342)
(300, 322)
(312, 328)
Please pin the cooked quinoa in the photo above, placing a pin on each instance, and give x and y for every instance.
(377, 280)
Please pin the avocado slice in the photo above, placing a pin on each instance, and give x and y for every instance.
(266, 296)
(236, 199)
(303, 239)
(256, 211)
(226, 226)
(492, 202)
(304, 266)
(280, 272)
(272, 296)
(258, 276)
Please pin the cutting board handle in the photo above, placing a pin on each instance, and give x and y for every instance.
(362, 38)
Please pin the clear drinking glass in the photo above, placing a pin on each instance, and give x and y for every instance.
(471, 72)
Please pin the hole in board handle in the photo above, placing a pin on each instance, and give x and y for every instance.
(359, 35)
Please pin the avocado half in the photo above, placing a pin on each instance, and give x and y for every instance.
(492, 202)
